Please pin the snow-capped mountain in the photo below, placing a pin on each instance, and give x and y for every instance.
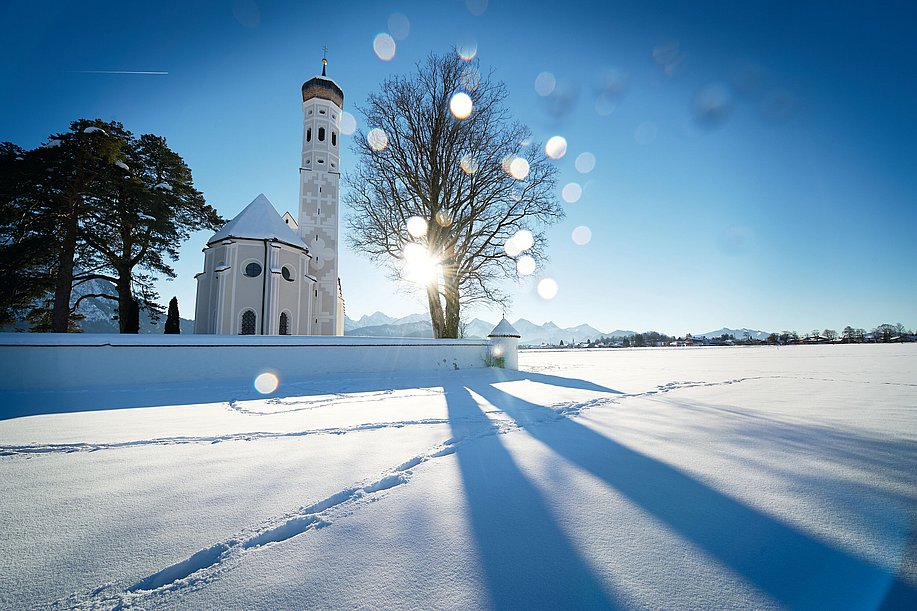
(736, 333)
(367, 320)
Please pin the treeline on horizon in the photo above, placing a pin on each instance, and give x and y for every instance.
(884, 333)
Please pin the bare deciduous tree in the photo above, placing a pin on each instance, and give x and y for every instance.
(456, 174)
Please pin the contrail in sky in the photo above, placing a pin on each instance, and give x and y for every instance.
(153, 72)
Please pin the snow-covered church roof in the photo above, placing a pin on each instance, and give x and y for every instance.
(259, 221)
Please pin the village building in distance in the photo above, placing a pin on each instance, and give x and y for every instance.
(270, 275)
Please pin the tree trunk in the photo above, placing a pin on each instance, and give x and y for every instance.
(132, 325)
(451, 291)
(60, 313)
(436, 311)
(125, 301)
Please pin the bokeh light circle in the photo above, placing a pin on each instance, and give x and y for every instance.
(585, 163)
(547, 288)
(384, 46)
(377, 139)
(469, 164)
(524, 239)
(512, 247)
(266, 382)
(519, 168)
(443, 218)
(467, 48)
(582, 235)
(556, 147)
(572, 192)
(525, 265)
(348, 123)
(417, 226)
(545, 84)
(460, 105)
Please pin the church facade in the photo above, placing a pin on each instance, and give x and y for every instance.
(270, 275)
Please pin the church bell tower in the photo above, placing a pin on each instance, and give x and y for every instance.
(319, 175)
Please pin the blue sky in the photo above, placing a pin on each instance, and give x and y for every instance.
(789, 204)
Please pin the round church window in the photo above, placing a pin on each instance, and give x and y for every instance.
(287, 273)
(253, 270)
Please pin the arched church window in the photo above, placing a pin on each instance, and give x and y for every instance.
(309, 135)
(284, 323)
(287, 273)
(253, 269)
(321, 134)
(334, 139)
(248, 323)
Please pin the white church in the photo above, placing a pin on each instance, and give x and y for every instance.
(270, 275)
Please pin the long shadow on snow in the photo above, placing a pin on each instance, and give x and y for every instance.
(15, 404)
(527, 559)
(789, 565)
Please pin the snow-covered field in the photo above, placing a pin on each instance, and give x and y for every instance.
(729, 478)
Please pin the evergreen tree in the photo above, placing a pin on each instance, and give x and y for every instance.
(44, 198)
(26, 258)
(172, 321)
(93, 203)
(148, 208)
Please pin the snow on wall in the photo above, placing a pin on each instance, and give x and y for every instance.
(73, 361)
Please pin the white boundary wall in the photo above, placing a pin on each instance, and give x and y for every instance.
(60, 361)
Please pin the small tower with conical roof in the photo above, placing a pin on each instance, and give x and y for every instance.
(504, 345)
(319, 177)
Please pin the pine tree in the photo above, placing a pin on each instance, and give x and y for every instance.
(172, 322)
(93, 203)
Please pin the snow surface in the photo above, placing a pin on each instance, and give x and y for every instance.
(739, 478)
(122, 165)
(163, 185)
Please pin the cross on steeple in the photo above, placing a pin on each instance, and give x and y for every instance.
(324, 58)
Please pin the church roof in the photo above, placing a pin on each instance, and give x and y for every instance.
(259, 221)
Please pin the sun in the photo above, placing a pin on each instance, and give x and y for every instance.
(420, 267)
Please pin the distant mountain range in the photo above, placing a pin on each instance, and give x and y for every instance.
(418, 325)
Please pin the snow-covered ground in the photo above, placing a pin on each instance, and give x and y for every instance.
(730, 478)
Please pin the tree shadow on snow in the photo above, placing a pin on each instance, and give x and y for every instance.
(528, 560)
(789, 565)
